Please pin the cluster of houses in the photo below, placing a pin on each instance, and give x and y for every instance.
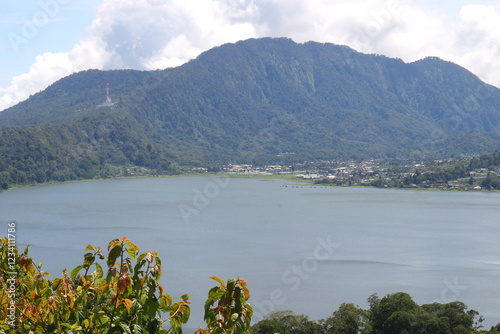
(312, 170)
(363, 173)
(264, 170)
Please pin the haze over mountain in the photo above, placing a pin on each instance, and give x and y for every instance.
(259, 100)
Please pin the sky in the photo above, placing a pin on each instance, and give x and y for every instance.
(42, 41)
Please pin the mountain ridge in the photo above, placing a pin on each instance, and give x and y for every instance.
(253, 100)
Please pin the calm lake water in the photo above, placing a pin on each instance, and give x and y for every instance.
(307, 249)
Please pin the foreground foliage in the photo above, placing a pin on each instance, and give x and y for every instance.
(395, 313)
(118, 291)
(126, 297)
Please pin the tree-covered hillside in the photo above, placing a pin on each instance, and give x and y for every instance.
(96, 147)
(254, 101)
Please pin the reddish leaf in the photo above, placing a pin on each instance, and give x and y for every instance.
(123, 283)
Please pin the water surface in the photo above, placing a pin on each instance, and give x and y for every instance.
(302, 248)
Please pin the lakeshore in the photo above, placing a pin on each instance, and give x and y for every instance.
(312, 178)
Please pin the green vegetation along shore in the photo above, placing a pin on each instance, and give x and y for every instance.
(463, 174)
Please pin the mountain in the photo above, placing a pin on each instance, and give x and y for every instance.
(259, 100)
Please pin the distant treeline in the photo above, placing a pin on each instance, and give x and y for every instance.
(461, 170)
(103, 146)
(399, 174)
(486, 160)
(395, 313)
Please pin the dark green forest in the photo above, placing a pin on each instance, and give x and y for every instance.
(395, 313)
(461, 169)
(249, 102)
(458, 173)
(92, 149)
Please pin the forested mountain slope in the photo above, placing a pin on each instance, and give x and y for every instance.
(254, 101)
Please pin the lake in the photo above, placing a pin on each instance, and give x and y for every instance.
(302, 248)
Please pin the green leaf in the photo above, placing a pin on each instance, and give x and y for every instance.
(142, 256)
(151, 307)
(47, 293)
(152, 326)
(90, 247)
(56, 283)
(186, 312)
(98, 273)
(131, 252)
(113, 243)
(132, 246)
(249, 309)
(165, 300)
(215, 295)
(76, 327)
(103, 319)
(126, 328)
(138, 266)
(88, 259)
(113, 255)
(75, 272)
(116, 329)
(231, 283)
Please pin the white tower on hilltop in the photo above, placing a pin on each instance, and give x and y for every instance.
(108, 99)
(108, 102)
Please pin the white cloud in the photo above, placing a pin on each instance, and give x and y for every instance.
(151, 34)
(478, 42)
(47, 68)
(50, 67)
